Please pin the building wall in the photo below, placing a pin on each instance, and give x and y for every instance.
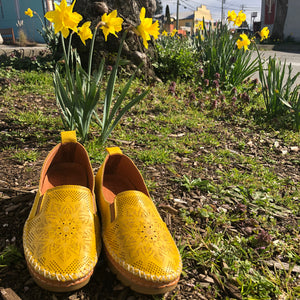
(292, 24)
(13, 10)
(291, 27)
(203, 12)
(184, 23)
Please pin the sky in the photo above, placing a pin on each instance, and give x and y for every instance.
(215, 6)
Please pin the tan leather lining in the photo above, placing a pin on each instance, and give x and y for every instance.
(120, 174)
(67, 164)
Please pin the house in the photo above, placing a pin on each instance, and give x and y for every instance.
(12, 15)
(282, 18)
(187, 20)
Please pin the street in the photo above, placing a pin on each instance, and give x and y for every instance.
(290, 57)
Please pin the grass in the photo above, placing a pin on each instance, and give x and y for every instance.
(244, 206)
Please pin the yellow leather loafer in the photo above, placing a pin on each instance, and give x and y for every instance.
(137, 243)
(61, 236)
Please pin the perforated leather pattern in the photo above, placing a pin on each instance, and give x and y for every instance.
(139, 240)
(62, 241)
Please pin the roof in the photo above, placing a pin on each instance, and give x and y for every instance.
(184, 15)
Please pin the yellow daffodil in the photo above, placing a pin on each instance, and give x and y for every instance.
(199, 25)
(264, 34)
(147, 28)
(112, 24)
(241, 17)
(85, 32)
(245, 42)
(29, 12)
(164, 33)
(231, 16)
(173, 32)
(64, 18)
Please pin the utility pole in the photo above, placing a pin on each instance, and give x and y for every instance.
(222, 11)
(177, 15)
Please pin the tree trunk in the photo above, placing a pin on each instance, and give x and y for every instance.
(133, 48)
(281, 12)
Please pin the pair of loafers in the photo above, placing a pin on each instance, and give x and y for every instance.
(63, 237)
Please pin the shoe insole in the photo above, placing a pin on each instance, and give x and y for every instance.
(65, 173)
(113, 185)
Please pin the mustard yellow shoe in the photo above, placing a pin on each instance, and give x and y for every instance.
(61, 236)
(137, 243)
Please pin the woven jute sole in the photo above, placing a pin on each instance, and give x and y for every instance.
(59, 286)
(138, 284)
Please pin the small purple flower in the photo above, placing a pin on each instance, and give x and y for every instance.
(233, 99)
(214, 104)
(234, 91)
(199, 89)
(245, 97)
(192, 97)
(138, 91)
(241, 208)
(217, 76)
(263, 238)
(206, 82)
(172, 87)
(201, 72)
(33, 58)
(216, 83)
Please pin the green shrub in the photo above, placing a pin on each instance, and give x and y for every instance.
(176, 58)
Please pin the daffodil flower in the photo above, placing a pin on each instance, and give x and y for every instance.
(29, 12)
(264, 34)
(240, 19)
(111, 24)
(199, 25)
(231, 16)
(164, 33)
(85, 32)
(64, 18)
(173, 32)
(245, 42)
(147, 28)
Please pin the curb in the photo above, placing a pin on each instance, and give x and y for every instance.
(25, 51)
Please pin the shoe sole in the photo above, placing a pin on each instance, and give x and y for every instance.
(138, 284)
(59, 286)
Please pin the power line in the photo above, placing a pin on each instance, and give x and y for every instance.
(188, 5)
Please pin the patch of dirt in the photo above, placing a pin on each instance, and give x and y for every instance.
(19, 182)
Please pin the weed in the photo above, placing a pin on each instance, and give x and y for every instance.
(25, 155)
(9, 256)
(203, 185)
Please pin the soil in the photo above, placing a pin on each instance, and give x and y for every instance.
(19, 182)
